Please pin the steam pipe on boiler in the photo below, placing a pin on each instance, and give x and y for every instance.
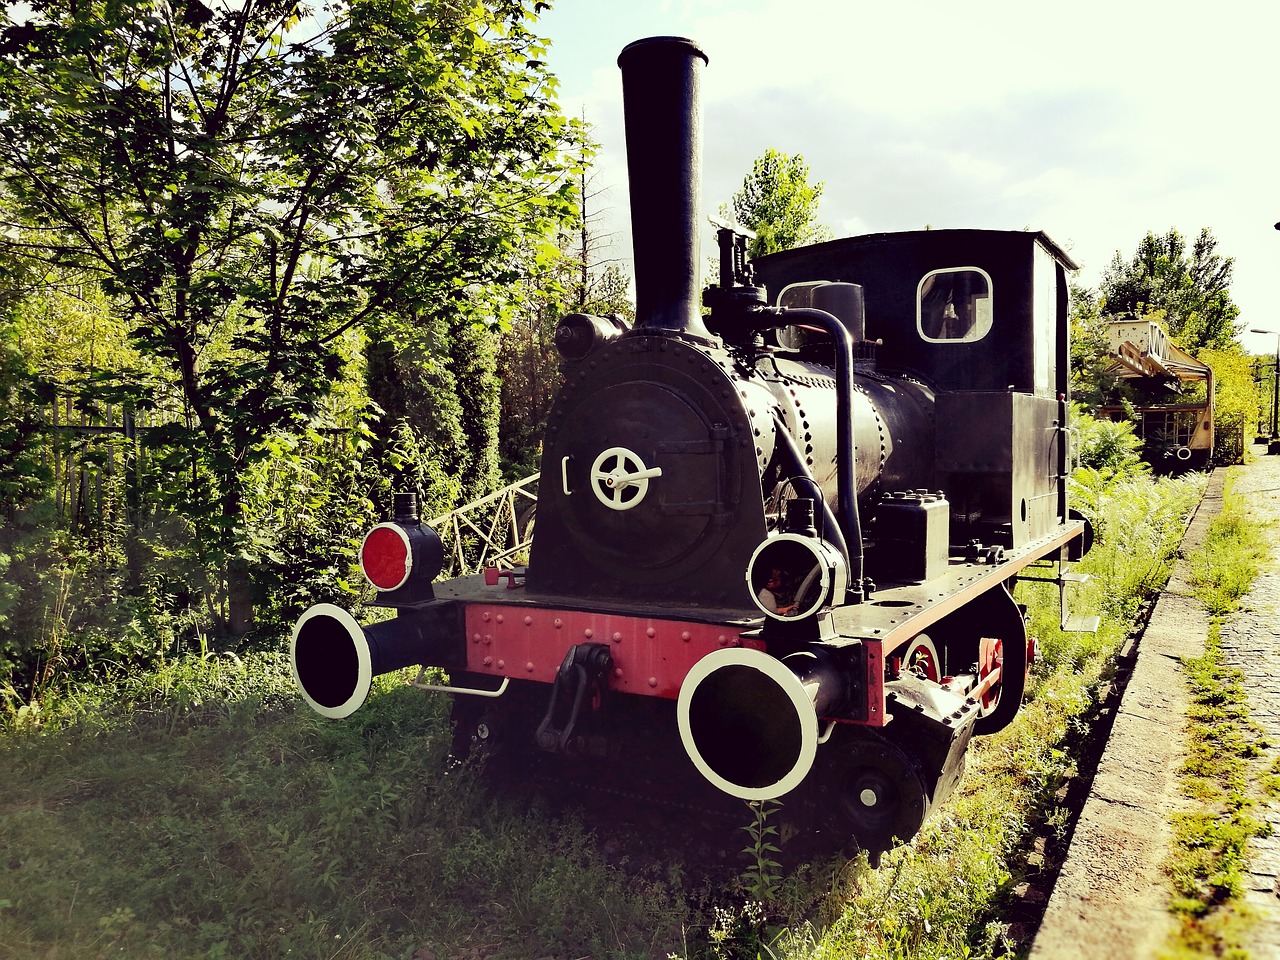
(850, 521)
(831, 530)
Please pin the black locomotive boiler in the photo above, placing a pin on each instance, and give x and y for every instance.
(786, 529)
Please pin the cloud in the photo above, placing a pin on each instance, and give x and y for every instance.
(1096, 122)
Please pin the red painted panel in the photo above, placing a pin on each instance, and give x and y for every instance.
(876, 715)
(650, 656)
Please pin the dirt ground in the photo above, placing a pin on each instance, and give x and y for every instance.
(1111, 896)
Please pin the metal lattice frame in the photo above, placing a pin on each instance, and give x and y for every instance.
(494, 531)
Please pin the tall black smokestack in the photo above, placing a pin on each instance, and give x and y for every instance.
(661, 104)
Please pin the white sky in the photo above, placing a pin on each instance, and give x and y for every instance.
(1093, 121)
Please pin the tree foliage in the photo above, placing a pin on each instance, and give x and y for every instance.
(251, 181)
(1089, 380)
(779, 204)
(23, 473)
(1190, 287)
(529, 360)
(578, 279)
(1235, 402)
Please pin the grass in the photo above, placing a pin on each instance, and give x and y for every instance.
(243, 826)
(1225, 567)
(199, 811)
(1224, 774)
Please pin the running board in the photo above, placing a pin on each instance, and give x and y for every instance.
(1081, 624)
(1064, 576)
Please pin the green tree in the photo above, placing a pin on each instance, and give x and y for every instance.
(23, 473)
(1090, 382)
(1191, 287)
(779, 205)
(1235, 402)
(579, 279)
(529, 360)
(436, 385)
(250, 185)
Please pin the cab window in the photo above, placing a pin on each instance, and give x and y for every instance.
(954, 305)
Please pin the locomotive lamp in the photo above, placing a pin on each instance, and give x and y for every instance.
(792, 576)
(402, 557)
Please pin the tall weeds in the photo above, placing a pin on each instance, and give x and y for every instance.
(202, 812)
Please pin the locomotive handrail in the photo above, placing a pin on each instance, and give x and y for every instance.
(487, 532)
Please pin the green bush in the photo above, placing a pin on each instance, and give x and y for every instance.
(64, 615)
(1109, 447)
(1138, 523)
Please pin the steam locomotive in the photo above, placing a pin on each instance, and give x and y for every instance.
(786, 529)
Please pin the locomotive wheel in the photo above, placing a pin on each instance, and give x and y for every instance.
(1001, 703)
(872, 791)
(921, 657)
(988, 633)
